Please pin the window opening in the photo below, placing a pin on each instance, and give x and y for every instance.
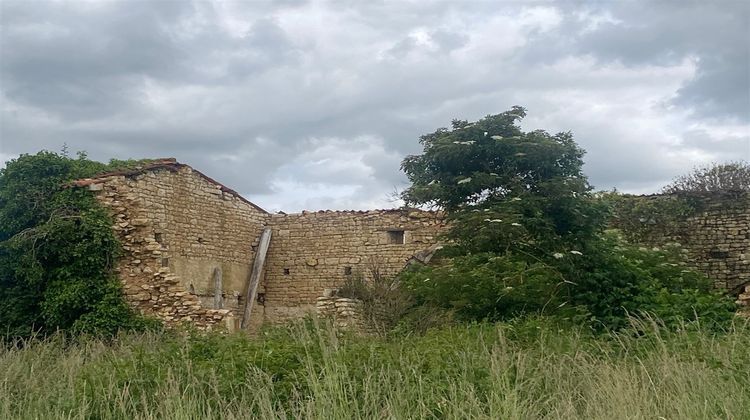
(396, 237)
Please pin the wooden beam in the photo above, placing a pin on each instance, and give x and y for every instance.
(218, 289)
(252, 287)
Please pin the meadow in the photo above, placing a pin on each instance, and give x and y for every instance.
(528, 369)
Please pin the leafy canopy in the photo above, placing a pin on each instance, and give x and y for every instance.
(57, 250)
(505, 188)
(527, 235)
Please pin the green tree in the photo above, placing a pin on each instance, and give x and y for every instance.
(504, 189)
(57, 251)
(527, 234)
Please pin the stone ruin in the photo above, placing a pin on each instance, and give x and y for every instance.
(194, 251)
(197, 252)
(713, 231)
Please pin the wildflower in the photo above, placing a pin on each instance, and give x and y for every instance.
(576, 252)
(497, 137)
(557, 255)
(515, 224)
(464, 181)
(433, 182)
(508, 287)
(515, 199)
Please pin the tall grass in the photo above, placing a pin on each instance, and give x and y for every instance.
(522, 370)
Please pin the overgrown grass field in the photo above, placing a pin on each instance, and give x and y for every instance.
(523, 370)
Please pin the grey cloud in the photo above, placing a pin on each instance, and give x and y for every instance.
(239, 90)
(663, 33)
(89, 62)
(717, 33)
(721, 87)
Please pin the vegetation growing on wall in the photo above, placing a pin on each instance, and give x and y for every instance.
(643, 218)
(528, 235)
(730, 176)
(57, 250)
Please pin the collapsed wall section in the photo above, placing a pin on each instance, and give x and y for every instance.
(188, 243)
(314, 251)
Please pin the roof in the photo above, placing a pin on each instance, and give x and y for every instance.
(169, 164)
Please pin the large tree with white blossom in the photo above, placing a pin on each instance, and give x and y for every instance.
(527, 234)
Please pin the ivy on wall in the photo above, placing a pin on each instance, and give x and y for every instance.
(57, 250)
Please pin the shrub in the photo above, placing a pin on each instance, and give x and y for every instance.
(601, 286)
(384, 303)
(57, 251)
(527, 234)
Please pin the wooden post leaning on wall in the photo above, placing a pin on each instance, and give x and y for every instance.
(252, 287)
(218, 289)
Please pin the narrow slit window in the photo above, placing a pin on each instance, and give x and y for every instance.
(347, 271)
(396, 237)
(286, 271)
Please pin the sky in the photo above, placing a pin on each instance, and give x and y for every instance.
(313, 105)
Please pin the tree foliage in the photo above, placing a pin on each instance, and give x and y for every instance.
(528, 235)
(57, 250)
(730, 176)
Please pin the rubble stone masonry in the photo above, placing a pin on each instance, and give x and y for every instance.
(176, 227)
(180, 229)
(189, 244)
(315, 251)
(715, 233)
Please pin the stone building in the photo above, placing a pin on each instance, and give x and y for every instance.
(713, 228)
(190, 245)
(193, 249)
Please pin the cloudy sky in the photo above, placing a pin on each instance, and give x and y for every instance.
(312, 105)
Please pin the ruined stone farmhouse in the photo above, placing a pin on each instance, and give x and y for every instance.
(191, 246)
(196, 251)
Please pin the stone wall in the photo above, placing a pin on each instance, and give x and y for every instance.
(177, 226)
(314, 251)
(713, 228)
(345, 313)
